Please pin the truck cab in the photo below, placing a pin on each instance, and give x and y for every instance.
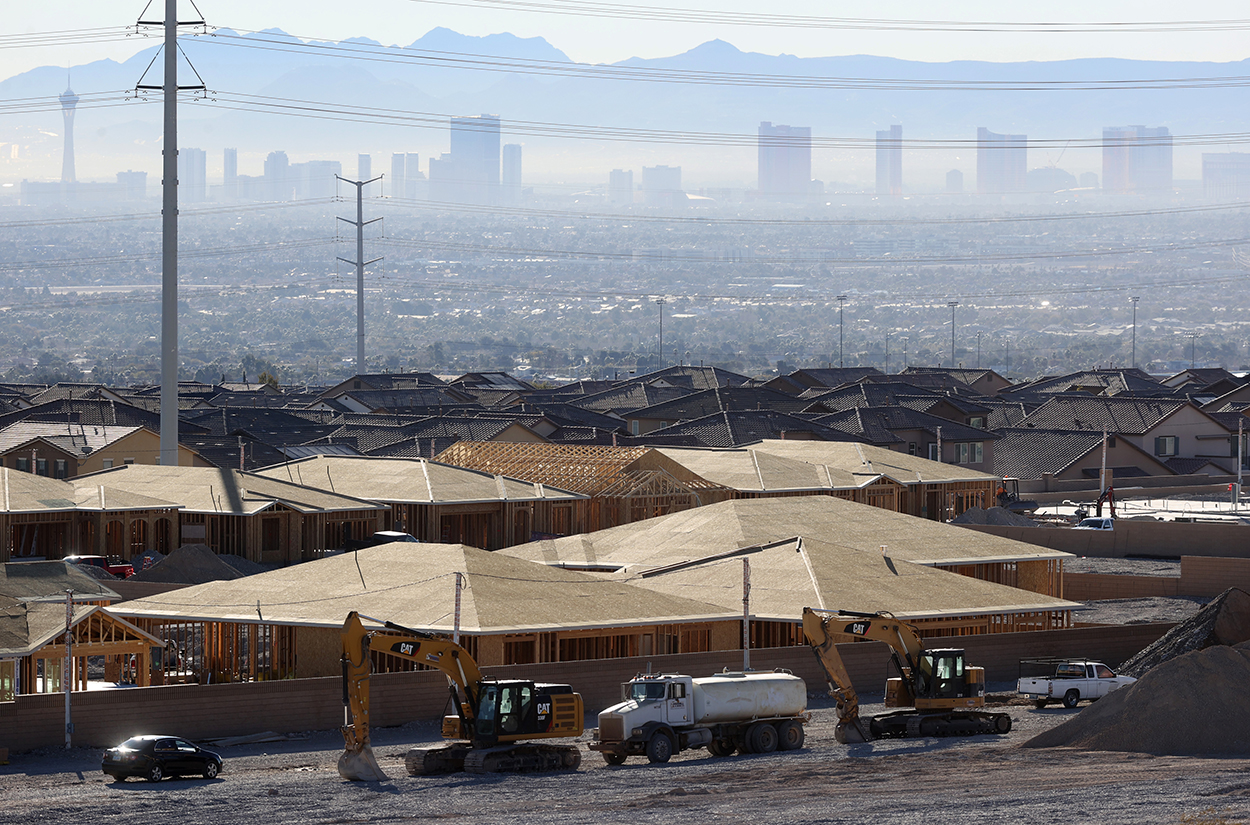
(1071, 681)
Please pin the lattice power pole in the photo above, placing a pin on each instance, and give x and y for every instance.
(360, 263)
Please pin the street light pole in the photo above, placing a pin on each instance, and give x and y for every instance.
(660, 360)
(978, 350)
(952, 305)
(1134, 300)
(841, 301)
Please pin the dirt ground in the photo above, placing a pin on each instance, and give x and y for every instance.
(979, 779)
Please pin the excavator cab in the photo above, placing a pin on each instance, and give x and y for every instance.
(943, 680)
(511, 711)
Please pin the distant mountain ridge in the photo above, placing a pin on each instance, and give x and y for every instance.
(433, 84)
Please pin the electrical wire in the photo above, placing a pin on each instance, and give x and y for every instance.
(632, 11)
(267, 41)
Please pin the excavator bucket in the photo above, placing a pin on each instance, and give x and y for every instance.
(361, 766)
(850, 733)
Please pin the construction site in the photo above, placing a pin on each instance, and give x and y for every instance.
(692, 562)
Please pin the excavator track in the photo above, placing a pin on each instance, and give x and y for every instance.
(434, 761)
(910, 724)
(523, 758)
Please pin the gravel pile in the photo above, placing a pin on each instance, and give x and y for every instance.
(189, 564)
(1194, 704)
(245, 567)
(96, 572)
(149, 558)
(1224, 621)
(1139, 611)
(995, 516)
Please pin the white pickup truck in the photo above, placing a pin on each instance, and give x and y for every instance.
(1073, 680)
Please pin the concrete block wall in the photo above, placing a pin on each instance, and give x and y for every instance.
(1166, 539)
(104, 718)
(1088, 587)
(1210, 576)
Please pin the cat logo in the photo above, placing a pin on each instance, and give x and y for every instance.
(544, 710)
(857, 628)
(406, 648)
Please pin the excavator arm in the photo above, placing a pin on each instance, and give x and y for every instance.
(358, 762)
(821, 628)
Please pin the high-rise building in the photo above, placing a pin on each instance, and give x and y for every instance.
(1226, 175)
(954, 182)
(192, 175)
(890, 161)
(1002, 162)
(132, 186)
(661, 186)
(785, 160)
(399, 161)
(278, 183)
(230, 173)
(1136, 159)
(475, 156)
(316, 178)
(69, 102)
(511, 179)
(621, 186)
(364, 167)
(1089, 180)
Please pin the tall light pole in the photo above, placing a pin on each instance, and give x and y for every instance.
(841, 302)
(1007, 341)
(1134, 301)
(978, 349)
(660, 303)
(887, 352)
(952, 305)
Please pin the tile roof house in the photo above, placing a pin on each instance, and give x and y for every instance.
(733, 428)
(986, 382)
(1163, 427)
(627, 397)
(707, 402)
(60, 450)
(1068, 455)
(1131, 382)
(923, 434)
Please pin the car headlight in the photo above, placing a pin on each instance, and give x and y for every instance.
(637, 731)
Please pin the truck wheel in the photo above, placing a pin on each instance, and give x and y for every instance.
(720, 747)
(615, 758)
(1071, 698)
(659, 748)
(790, 735)
(1002, 723)
(761, 738)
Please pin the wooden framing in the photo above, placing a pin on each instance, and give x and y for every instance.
(95, 633)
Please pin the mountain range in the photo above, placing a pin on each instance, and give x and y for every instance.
(530, 80)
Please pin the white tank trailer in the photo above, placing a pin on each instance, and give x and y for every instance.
(727, 713)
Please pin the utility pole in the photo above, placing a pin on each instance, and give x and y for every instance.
(659, 302)
(952, 305)
(978, 349)
(360, 263)
(1193, 347)
(67, 678)
(1007, 341)
(887, 352)
(1134, 300)
(169, 230)
(841, 302)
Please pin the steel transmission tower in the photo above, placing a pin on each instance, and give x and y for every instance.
(360, 263)
(169, 230)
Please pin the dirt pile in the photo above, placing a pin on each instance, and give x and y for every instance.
(149, 558)
(994, 516)
(1224, 621)
(189, 564)
(245, 567)
(1194, 704)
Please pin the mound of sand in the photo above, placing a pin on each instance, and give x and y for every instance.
(189, 564)
(148, 559)
(1224, 621)
(1193, 704)
(996, 516)
(245, 567)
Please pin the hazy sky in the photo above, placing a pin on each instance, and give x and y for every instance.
(605, 40)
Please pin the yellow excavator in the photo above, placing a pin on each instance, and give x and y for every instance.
(494, 723)
(940, 693)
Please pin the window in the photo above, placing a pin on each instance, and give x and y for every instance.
(633, 427)
(22, 464)
(62, 468)
(1165, 445)
(41, 466)
(108, 463)
(912, 449)
(128, 461)
(933, 453)
(969, 453)
(977, 421)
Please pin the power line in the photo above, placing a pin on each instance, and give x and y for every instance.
(632, 11)
(266, 41)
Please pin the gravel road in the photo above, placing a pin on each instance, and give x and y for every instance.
(985, 779)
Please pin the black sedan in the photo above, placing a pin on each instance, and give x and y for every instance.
(156, 757)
